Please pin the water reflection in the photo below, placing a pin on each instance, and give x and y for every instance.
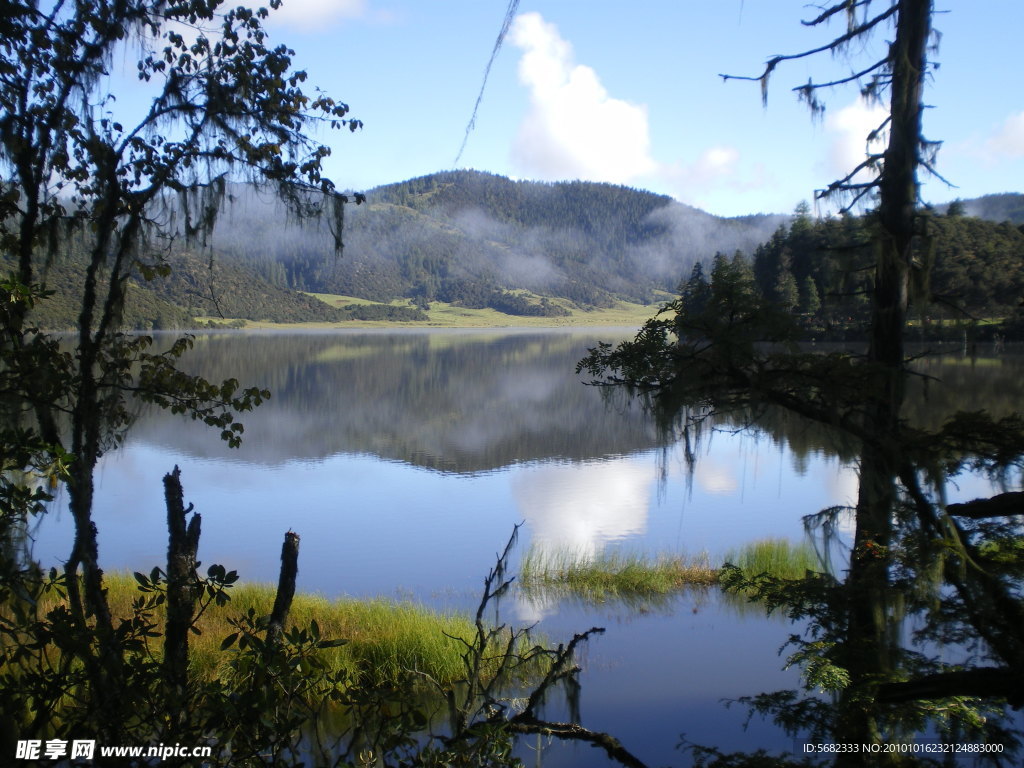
(454, 437)
(579, 508)
(450, 401)
(405, 459)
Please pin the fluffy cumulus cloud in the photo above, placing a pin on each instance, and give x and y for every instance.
(1008, 140)
(575, 128)
(849, 128)
(312, 14)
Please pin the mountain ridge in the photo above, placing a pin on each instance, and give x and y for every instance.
(470, 238)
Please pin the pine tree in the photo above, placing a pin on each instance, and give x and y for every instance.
(810, 299)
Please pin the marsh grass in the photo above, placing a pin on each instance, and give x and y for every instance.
(777, 557)
(384, 637)
(613, 575)
(630, 576)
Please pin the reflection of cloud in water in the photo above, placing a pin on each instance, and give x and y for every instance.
(843, 485)
(580, 507)
(833, 528)
(715, 477)
(531, 609)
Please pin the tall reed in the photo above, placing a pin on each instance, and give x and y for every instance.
(775, 556)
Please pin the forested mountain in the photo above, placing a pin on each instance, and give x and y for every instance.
(470, 237)
(195, 287)
(477, 239)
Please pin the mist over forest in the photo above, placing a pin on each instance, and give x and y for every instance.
(429, 235)
(479, 240)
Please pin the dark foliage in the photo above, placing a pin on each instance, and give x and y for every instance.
(921, 578)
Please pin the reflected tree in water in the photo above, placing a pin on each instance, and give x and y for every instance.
(924, 632)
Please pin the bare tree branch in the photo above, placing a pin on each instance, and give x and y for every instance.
(835, 45)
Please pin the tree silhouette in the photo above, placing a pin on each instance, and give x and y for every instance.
(910, 554)
(224, 105)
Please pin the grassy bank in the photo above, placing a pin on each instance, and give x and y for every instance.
(442, 315)
(384, 636)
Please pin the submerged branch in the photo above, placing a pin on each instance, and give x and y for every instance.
(983, 682)
(573, 732)
(1003, 505)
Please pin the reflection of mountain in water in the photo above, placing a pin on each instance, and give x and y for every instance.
(943, 384)
(472, 401)
(452, 401)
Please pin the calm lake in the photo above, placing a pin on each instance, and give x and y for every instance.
(404, 460)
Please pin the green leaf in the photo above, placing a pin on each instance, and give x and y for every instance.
(336, 643)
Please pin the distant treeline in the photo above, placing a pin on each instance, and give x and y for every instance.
(967, 272)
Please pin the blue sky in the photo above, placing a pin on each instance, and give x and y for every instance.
(629, 93)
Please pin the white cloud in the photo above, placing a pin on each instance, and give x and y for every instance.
(301, 15)
(1008, 141)
(307, 15)
(716, 169)
(850, 127)
(574, 128)
(717, 162)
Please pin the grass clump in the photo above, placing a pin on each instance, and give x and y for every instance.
(631, 576)
(384, 637)
(613, 574)
(776, 557)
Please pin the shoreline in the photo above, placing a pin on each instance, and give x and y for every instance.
(448, 316)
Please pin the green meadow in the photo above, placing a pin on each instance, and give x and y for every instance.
(443, 315)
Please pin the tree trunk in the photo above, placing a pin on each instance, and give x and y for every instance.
(285, 589)
(182, 592)
(871, 619)
(898, 189)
